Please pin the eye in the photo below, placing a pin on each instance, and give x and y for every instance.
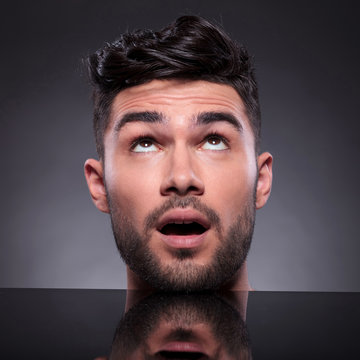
(215, 142)
(144, 145)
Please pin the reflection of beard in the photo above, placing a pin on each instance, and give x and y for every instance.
(183, 274)
(179, 314)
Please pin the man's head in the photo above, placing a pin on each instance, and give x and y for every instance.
(177, 127)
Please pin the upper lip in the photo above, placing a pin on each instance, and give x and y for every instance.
(183, 216)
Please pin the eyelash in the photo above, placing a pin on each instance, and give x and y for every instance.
(145, 137)
(140, 138)
(216, 134)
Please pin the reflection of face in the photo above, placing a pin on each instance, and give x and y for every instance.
(170, 326)
(180, 173)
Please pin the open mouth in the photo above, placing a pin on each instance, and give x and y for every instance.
(183, 229)
(181, 355)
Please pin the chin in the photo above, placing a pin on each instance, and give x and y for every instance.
(187, 276)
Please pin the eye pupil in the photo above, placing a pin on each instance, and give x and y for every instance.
(145, 143)
(214, 141)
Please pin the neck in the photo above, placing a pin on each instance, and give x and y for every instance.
(239, 282)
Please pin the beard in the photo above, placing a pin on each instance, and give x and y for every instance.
(183, 274)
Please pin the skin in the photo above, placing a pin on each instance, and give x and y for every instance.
(183, 158)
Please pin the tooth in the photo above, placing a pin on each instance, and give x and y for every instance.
(188, 221)
(178, 222)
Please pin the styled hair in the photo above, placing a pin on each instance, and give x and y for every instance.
(190, 48)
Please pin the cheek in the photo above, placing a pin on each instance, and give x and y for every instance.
(231, 189)
(132, 191)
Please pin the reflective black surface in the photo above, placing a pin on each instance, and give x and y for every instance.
(86, 324)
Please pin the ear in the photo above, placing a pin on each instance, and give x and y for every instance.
(95, 180)
(264, 183)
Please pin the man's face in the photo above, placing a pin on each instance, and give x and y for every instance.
(180, 173)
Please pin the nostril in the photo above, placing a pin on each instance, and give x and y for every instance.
(186, 191)
(173, 189)
(193, 189)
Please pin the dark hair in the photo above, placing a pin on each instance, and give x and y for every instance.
(191, 48)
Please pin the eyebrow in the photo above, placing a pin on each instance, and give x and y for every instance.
(209, 117)
(143, 116)
(203, 118)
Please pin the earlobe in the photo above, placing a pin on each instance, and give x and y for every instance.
(264, 182)
(95, 180)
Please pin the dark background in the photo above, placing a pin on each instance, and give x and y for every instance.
(307, 58)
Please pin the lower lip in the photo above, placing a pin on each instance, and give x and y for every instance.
(184, 241)
(178, 346)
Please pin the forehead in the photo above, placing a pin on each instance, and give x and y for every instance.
(178, 98)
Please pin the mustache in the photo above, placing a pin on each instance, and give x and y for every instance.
(182, 202)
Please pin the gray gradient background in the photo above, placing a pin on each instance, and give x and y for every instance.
(307, 57)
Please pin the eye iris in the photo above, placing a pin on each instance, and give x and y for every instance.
(145, 143)
(214, 141)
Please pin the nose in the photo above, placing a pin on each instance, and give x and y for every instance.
(181, 176)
